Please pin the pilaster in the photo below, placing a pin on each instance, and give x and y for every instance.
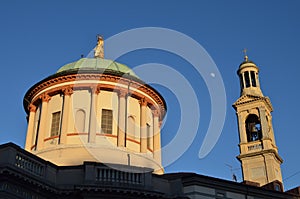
(264, 123)
(42, 130)
(93, 113)
(122, 118)
(30, 128)
(143, 106)
(68, 91)
(156, 137)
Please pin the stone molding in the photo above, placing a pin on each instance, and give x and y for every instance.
(248, 99)
(30, 95)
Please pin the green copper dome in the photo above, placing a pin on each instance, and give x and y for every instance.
(96, 64)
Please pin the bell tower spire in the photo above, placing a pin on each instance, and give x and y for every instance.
(259, 156)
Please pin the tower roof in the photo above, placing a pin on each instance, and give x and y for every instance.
(247, 63)
(96, 64)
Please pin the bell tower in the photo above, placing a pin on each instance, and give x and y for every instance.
(259, 156)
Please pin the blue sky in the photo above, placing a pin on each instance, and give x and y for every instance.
(36, 38)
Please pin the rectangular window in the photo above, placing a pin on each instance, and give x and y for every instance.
(106, 121)
(253, 78)
(247, 79)
(241, 81)
(55, 124)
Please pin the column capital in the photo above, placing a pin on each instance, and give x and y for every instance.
(263, 108)
(143, 102)
(160, 123)
(67, 90)
(122, 93)
(32, 108)
(155, 113)
(45, 97)
(96, 90)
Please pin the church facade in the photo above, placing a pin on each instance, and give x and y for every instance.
(94, 132)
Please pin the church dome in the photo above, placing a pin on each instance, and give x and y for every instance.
(99, 110)
(96, 64)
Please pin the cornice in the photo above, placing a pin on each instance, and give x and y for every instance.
(72, 78)
(249, 99)
(272, 151)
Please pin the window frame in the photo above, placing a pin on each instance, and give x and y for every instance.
(107, 121)
(55, 124)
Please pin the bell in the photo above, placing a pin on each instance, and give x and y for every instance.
(252, 128)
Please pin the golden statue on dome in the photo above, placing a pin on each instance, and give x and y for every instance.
(99, 50)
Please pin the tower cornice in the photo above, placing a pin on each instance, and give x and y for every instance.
(250, 99)
(272, 151)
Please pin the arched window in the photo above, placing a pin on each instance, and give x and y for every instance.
(80, 120)
(253, 128)
(131, 126)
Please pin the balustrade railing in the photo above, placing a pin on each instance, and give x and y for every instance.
(28, 164)
(117, 176)
(256, 146)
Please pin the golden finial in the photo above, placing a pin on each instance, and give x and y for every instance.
(99, 50)
(245, 55)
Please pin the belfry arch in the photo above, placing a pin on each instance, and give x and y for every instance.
(253, 128)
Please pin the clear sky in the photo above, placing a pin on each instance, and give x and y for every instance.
(38, 37)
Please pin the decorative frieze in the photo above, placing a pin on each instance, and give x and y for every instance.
(143, 88)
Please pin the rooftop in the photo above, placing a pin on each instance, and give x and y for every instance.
(100, 64)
